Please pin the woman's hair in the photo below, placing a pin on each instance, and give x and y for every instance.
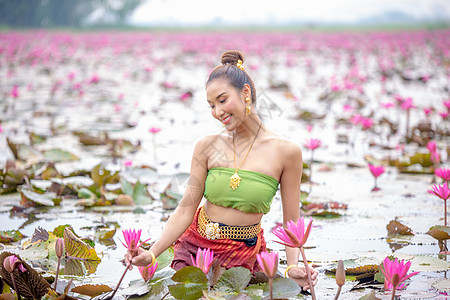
(229, 70)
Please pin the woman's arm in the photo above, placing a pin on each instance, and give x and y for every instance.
(183, 215)
(290, 195)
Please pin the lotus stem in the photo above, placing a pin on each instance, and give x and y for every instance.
(308, 271)
(271, 288)
(310, 169)
(393, 293)
(57, 271)
(445, 213)
(338, 293)
(118, 284)
(14, 286)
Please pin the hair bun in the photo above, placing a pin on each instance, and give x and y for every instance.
(232, 57)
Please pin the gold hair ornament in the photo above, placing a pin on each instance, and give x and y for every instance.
(239, 65)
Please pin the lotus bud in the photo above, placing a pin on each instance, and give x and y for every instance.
(395, 280)
(7, 264)
(340, 273)
(59, 247)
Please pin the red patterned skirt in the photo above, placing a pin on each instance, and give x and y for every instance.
(230, 253)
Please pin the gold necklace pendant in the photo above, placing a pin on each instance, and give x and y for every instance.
(235, 180)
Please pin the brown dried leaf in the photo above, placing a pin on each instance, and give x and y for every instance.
(395, 227)
(362, 270)
(92, 290)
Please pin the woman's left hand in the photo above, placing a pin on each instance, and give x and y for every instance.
(299, 275)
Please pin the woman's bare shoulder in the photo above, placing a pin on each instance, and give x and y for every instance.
(283, 144)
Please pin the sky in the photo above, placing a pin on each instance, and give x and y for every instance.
(201, 12)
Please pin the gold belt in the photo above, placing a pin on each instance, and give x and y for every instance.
(215, 231)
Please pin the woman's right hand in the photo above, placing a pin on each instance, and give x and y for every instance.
(142, 259)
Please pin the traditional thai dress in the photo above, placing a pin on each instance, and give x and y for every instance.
(233, 246)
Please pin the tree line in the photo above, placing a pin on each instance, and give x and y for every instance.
(65, 13)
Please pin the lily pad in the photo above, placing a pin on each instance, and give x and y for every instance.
(234, 280)
(91, 290)
(429, 264)
(395, 227)
(439, 232)
(30, 198)
(283, 288)
(191, 283)
(10, 236)
(58, 155)
(442, 286)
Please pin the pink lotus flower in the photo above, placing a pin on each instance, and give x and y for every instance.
(11, 263)
(442, 192)
(447, 104)
(408, 104)
(71, 76)
(132, 238)
(348, 108)
(15, 92)
(444, 114)
(94, 79)
(399, 98)
(376, 170)
(309, 127)
(1, 129)
(148, 272)
(431, 146)
(356, 119)
(154, 130)
(128, 163)
(435, 158)
(443, 173)
(427, 110)
(203, 259)
(313, 144)
(186, 96)
(395, 267)
(294, 235)
(387, 105)
(268, 262)
(366, 123)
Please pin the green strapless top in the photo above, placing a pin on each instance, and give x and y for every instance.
(254, 194)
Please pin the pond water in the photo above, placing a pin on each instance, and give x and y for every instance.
(141, 80)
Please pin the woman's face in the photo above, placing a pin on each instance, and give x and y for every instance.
(227, 104)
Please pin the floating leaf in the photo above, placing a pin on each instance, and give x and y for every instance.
(40, 234)
(395, 227)
(91, 290)
(234, 280)
(140, 194)
(369, 296)
(439, 232)
(10, 236)
(425, 263)
(30, 198)
(156, 288)
(191, 280)
(58, 155)
(76, 248)
(283, 288)
(442, 286)
(59, 230)
(165, 258)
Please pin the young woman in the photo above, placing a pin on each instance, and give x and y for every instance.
(238, 174)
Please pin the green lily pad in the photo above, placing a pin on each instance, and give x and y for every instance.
(10, 236)
(234, 280)
(283, 288)
(58, 155)
(191, 283)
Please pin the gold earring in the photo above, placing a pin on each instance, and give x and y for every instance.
(248, 108)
